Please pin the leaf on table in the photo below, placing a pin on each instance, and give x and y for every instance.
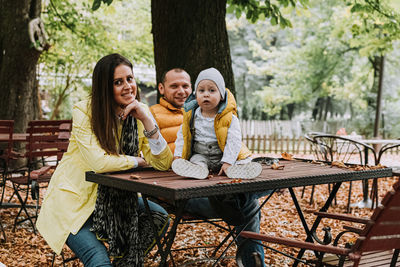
(134, 176)
(287, 156)
(276, 166)
(339, 164)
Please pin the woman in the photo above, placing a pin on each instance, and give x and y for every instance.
(107, 129)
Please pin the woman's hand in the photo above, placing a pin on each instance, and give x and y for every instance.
(141, 162)
(224, 168)
(137, 111)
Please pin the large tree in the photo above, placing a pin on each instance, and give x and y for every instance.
(192, 35)
(18, 59)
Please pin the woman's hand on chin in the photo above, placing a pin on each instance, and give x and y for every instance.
(135, 110)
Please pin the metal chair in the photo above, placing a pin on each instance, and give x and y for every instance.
(346, 150)
(319, 153)
(189, 218)
(374, 190)
(378, 243)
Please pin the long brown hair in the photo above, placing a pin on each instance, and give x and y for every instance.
(104, 121)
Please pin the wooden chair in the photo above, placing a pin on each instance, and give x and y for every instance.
(46, 144)
(342, 149)
(378, 240)
(6, 154)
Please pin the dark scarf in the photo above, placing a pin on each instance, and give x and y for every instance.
(115, 217)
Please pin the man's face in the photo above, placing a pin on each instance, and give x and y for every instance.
(176, 87)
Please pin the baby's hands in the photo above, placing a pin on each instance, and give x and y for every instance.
(141, 162)
(224, 168)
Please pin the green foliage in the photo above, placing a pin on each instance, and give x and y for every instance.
(97, 3)
(256, 10)
(325, 56)
(80, 37)
(374, 27)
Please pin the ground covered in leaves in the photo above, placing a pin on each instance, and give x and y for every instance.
(279, 217)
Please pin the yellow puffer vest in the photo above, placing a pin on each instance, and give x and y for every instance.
(222, 122)
(169, 119)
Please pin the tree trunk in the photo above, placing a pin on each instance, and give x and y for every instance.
(192, 35)
(378, 111)
(19, 98)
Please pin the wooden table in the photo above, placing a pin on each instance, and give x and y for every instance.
(179, 189)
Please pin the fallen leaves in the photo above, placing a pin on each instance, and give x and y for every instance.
(276, 166)
(233, 181)
(287, 156)
(339, 164)
(134, 176)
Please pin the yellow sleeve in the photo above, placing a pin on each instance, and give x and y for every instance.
(162, 161)
(93, 155)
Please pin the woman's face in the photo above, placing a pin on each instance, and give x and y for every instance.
(124, 85)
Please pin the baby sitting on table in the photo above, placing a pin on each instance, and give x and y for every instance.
(210, 136)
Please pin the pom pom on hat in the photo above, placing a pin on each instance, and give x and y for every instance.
(214, 75)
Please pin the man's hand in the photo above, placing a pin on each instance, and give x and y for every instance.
(224, 168)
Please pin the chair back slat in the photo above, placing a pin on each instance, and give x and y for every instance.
(47, 138)
(388, 243)
(383, 232)
(7, 128)
(43, 123)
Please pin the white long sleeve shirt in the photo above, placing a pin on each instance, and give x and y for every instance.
(205, 132)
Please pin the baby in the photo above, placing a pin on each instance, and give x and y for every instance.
(210, 137)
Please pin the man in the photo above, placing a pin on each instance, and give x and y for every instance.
(175, 87)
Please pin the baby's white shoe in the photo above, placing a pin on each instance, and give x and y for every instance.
(185, 168)
(244, 171)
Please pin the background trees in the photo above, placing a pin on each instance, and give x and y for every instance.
(81, 38)
(325, 66)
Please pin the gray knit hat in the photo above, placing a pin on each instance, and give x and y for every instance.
(214, 75)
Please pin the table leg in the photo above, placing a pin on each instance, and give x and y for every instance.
(170, 236)
(366, 202)
(317, 221)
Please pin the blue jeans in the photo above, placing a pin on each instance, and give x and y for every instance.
(201, 206)
(91, 251)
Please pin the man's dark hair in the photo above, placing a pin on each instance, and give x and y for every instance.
(163, 76)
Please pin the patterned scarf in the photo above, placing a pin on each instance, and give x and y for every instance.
(115, 217)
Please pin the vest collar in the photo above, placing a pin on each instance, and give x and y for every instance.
(165, 103)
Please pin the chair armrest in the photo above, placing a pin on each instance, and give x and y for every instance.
(296, 243)
(352, 229)
(341, 217)
(36, 173)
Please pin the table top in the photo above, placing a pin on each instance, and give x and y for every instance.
(174, 187)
